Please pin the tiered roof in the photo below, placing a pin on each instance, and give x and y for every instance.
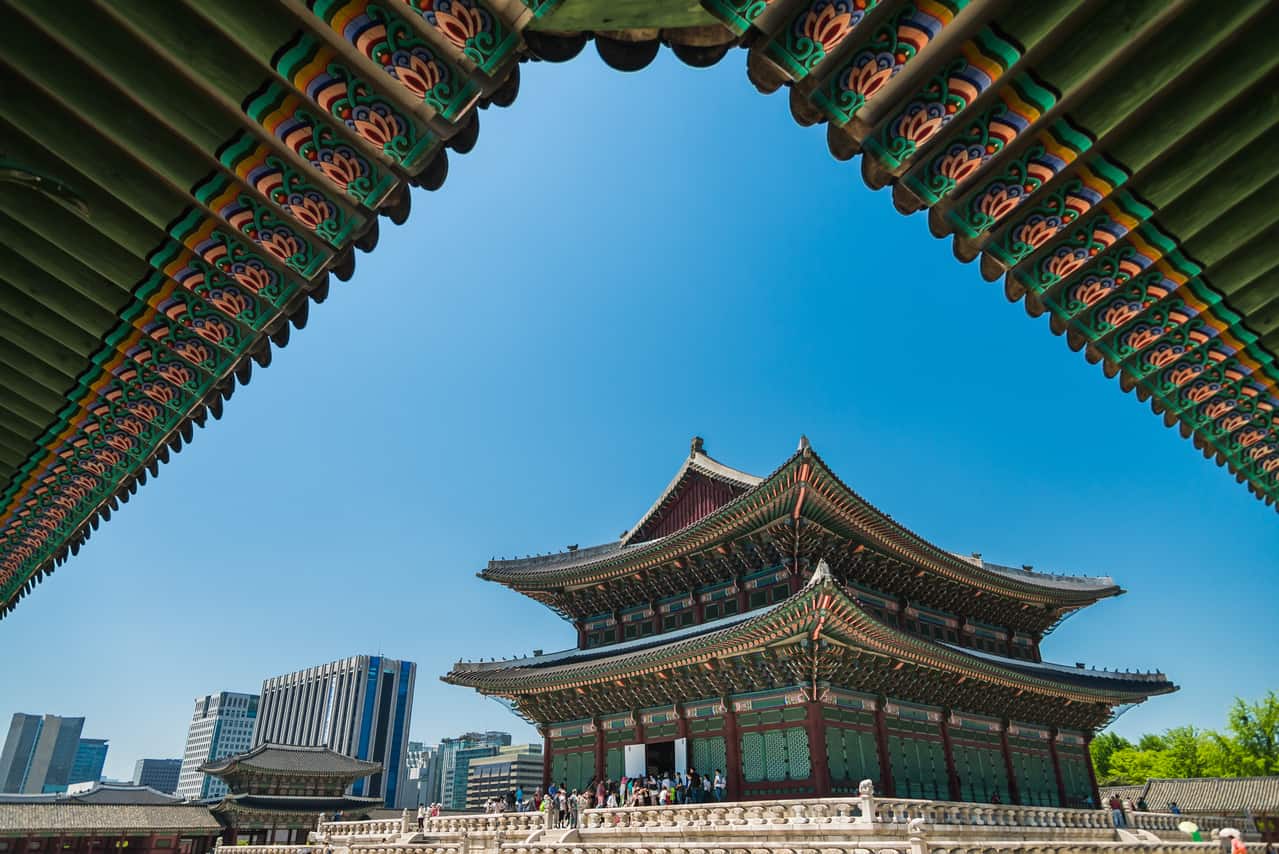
(73, 817)
(764, 514)
(268, 759)
(820, 633)
(168, 214)
(1208, 795)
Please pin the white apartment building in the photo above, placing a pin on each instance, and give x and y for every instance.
(221, 725)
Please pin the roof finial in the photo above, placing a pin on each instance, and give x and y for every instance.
(695, 446)
(804, 447)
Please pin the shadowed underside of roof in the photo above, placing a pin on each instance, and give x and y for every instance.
(821, 609)
(177, 188)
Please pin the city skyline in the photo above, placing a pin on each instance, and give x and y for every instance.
(435, 422)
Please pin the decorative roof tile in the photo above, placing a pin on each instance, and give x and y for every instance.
(70, 817)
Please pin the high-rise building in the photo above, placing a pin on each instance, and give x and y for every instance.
(424, 773)
(38, 753)
(518, 766)
(455, 757)
(90, 756)
(221, 725)
(160, 774)
(358, 706)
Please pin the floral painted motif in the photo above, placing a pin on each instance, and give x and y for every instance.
(980, 63)
(1051, 152)
(285, 117)
(1021, 103)
(814, 31)
(388, 40)
(883, 55)
(287, 188)
(316, 70)
(477, 32)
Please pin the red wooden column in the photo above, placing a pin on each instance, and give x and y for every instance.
(740, 584)
(732, 752)
(817, 748)
(581, 634)
(1052, 750)
(546, 759)
(1092, 772)
(1013, 794)
(881, 741)
(599, 751)
(656, 607)
(699, 609)
(952, 773)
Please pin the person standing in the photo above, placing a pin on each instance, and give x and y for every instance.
(519, 798)
(421, 816)
(719, 786)
(1117, 811)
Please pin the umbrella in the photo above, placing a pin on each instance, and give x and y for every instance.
(1192, 829)
(1229, 831)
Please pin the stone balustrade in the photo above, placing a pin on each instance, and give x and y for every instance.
(915, 845)
(406, 848)
(1165, 822)
(263, 849)
(506, 822)
(382, 828)
(903, 810)
(865, 812)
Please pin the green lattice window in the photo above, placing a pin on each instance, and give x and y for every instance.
(852, 755)
(709, 754)
(1074, 775)
(982, 773)
(614, 763)
(574, 770)
(1036, 782)
(777, 754)
(919, 767)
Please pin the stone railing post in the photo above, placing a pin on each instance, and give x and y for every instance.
(866, 793)
(917, 829)
(404, 821)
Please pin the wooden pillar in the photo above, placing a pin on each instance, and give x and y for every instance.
(732, 753)
(1052, 751)
(656, 608)
(952, 772)
(742, 599)
(793, 580)
(699, 608)
(546, 759)
(1013, 794)
(817, 748)
(581, 634)
(1092, 772)
(600, 751)
(881, 741)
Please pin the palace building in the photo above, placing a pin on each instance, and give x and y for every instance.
(784, 630)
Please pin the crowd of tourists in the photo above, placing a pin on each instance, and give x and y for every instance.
(565, 805)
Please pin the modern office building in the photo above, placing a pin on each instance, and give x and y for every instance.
(512, 768)
(424, 772)
(358, 706)
(38, 753)
(160, 774)
(221, 725)
(90, 757)
(455, 757)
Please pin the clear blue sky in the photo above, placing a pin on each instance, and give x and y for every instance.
(625, 261)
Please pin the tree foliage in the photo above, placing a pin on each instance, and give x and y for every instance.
(1249, 747)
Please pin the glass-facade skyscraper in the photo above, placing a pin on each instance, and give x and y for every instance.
(90, 757)
(39, 753)
(358, 706)
(221, 725)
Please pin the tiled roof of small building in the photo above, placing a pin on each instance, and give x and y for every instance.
(70, 816)
(289, 758)
(1213, 794)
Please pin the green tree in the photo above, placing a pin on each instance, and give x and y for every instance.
(1255, 727)
(1103, 746)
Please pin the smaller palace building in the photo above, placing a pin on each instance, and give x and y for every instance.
(277, 792)
(786, 631)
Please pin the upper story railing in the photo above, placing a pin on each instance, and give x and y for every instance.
(864, 811)
(506, 822)
(383, 828)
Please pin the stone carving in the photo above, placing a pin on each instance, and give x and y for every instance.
(866, 788)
